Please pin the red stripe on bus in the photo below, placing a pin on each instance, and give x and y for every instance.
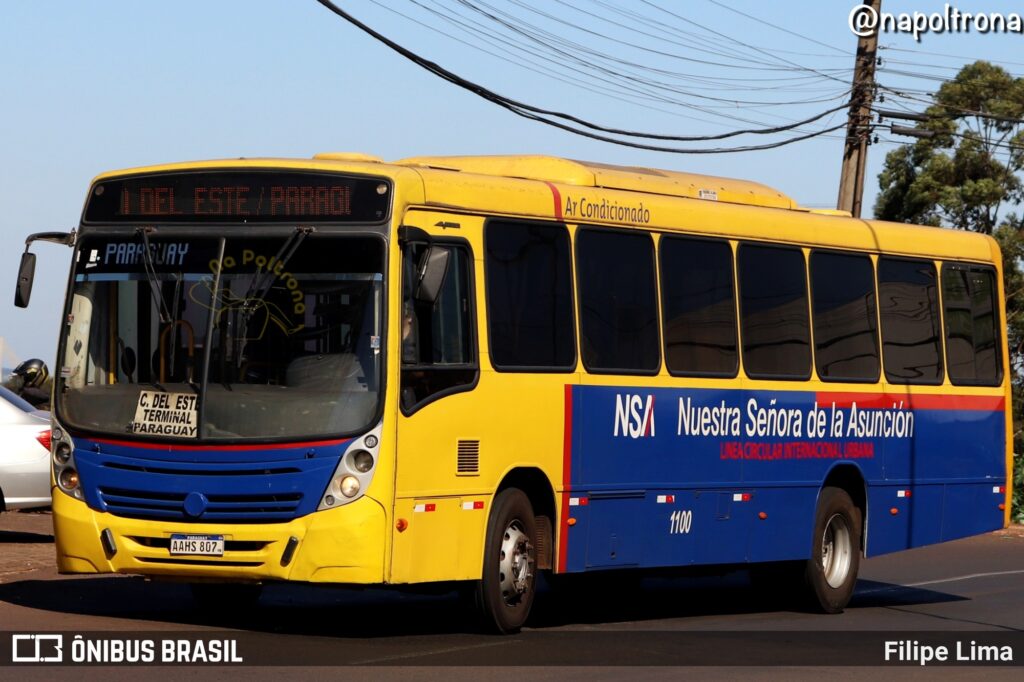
(557, 197)
(220, 448)
(975, 403)
(563, 526)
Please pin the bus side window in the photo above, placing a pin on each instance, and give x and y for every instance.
(908, 302)
(438, 341)
(618, 301)
(972, 330)
(530, 317)
(700, 307)
(845, 317)
(774, 317)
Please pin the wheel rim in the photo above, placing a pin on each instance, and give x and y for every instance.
(516, 565)
(836, 551)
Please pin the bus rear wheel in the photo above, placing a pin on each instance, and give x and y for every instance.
(506, 590)
(831, 572)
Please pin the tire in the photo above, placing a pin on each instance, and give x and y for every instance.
(831, 572)
(226, 598)
(505, 592)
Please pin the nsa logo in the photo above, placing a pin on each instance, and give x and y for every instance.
(634, 415)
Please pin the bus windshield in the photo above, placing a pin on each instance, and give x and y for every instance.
(224, 338)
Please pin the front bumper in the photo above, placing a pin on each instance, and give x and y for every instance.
(342, 545)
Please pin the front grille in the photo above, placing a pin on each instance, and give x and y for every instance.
(233, 486)
(239, 508)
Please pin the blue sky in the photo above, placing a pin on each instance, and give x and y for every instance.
(89, 87)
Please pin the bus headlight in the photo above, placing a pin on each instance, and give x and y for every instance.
(68, 480)
(349, 486)
(62, 454)
(65, 473)
(362, 461)
(352, 477)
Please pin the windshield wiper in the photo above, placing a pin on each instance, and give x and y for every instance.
(167, 317)
(261, 283)
(263, 280)
(154, 283)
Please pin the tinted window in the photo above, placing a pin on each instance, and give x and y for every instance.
(618, 301)
(845, 319)
(908, 304)
(773, 305)
(529, 295)
(972, 332)
(699, 306)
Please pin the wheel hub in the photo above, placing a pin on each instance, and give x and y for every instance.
(836, 551)
(516, 565)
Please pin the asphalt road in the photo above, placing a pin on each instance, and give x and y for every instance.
(964, 590)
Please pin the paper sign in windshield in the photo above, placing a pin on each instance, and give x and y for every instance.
(166, 414)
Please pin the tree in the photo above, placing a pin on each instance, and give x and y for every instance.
(967, 176)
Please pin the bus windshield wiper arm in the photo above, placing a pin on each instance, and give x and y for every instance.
(261, 283)
(154, 283)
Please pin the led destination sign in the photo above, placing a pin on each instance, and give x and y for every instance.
(239, 197)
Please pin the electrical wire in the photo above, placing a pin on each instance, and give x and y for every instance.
(593, 130)
(779, 28)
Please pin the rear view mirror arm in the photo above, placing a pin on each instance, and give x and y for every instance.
(65, 238)
(27, 268)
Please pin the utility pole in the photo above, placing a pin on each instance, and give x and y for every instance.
(855, 151)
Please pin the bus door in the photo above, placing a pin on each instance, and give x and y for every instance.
(437, 417)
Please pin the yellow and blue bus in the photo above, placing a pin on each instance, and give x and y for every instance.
(478, 369)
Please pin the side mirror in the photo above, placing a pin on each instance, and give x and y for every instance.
(26, 275)
(433, 269)
(27, 269)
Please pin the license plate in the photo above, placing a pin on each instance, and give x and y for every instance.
(201, 545)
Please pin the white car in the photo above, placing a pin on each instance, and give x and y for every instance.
(24, 454)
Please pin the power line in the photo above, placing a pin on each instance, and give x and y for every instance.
(950, 56)
(566, 121)
(780, 28)
(970, 112)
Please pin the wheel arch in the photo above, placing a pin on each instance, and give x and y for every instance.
(848, 477)
(535, 484)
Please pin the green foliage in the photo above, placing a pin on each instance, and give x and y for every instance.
(1017, 515)
(968, 176)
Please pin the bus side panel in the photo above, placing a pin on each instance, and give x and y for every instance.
(662, 490)
(963, 439)
(612, 537)
(742, 453)
(901, 517)
(971, 509)
(785, 532)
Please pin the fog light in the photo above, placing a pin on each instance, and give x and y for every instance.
(62, 454)
(68, 479)
(363, 461)
(349, 486)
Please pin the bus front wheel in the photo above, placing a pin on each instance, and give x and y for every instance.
(831, 572)
(505, 593)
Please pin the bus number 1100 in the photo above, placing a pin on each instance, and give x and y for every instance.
(680, 521)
